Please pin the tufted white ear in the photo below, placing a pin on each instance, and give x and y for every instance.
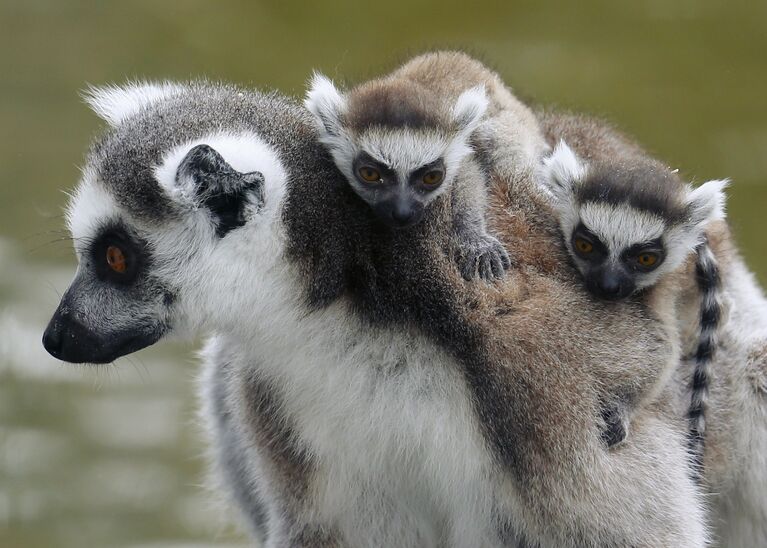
(706, 203)
(326, 103)
(469, 109)
(561, 171)
(116, 103)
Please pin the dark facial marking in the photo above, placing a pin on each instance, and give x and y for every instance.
(417, 177)
(615, 426)
(610, 282)
(67, 339)
(131, 248)
(392, 104)
(364, 160)
(70, 338)
(647, 186)
(598, 252)
(632, 257)
(399, 211)
(222, 189)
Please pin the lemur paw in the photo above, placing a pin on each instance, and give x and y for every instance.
(616, 425)
(486, 258)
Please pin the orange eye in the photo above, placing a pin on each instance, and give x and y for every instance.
(433, 177)
(369, 174)
(583, 246)
(647, 259)
(116, 259)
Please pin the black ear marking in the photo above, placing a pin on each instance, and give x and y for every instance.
(220, 188)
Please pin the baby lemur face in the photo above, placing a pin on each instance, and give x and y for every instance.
(398, 144)
(627, 223)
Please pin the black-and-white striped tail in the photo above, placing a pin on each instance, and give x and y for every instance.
(709, 284)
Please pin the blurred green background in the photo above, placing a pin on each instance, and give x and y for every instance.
(113, 456)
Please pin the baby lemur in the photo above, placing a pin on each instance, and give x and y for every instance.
(405, 139)
(628, 221)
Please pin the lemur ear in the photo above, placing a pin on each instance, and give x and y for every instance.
(561, 171)
(114, 104)
(469, 109)
(706, 203)
(326, 103)
(220, 188)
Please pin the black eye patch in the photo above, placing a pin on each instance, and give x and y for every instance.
(117, 256)
(436, 165)
(636, 256)
(364, 159)
(599, 250)
(653, 246)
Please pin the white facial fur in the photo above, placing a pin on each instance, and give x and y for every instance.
(621, 226)
(200, 275)
(404, 150)
(91, 206)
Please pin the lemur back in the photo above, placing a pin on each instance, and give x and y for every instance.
(407, 138)
(644, 215)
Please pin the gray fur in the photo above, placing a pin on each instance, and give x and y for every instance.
(499, 378)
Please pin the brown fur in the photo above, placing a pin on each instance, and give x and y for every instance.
(394, 103)
(539, 355)
(619, 169)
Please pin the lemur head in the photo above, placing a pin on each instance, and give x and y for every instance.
(399, 145)
(627, 222)
(174, 204)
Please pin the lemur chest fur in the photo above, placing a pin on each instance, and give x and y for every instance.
(388, 421)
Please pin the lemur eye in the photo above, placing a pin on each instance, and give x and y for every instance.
(583, 246)
(647, 259)
(369, 174)
(433, 177)
(116, 259)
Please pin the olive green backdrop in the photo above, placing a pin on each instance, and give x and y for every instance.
(112, 456)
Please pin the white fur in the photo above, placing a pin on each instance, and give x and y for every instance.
(326, 103)
(412, 469)
(706, 203)
(116, 103)
(561, 171)
(90, 207)
(469, 109)
(621, 226)
(396, 473)
(244, 152)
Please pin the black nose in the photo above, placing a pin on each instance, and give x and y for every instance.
(403, 216)
(610, 287)
(52, 338)
(68, 340)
